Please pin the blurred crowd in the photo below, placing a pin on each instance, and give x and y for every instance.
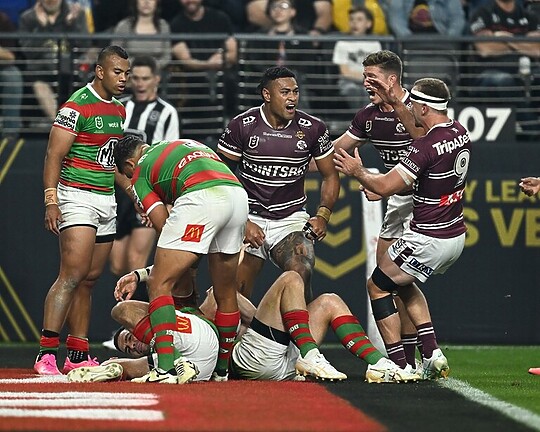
(497, 69)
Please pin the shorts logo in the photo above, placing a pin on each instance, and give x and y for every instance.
(183, 324)
(193, 233)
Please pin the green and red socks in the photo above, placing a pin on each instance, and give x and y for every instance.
(77, 349)
(297, 324)
(48, 343)
(353, 337)
(163, 320)
(227, 325)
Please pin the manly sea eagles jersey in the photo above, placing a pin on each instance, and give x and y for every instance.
(384, 130)
(439, 162)
(274, 162)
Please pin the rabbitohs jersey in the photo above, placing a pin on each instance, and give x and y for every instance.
(170, 169)
(97, 125)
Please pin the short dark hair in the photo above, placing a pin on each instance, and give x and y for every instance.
(366, 12)
(124, 149)
(146, 60)
(115, 338)
(387, 60)
(272, 74)
(111, 50)
(433, 87)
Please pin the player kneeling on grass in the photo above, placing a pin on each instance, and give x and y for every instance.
(279, 344)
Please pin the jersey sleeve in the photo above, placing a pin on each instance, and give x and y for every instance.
(70, 118)
(145, 195)
(231, 138)
(324, 145)
(415, 161)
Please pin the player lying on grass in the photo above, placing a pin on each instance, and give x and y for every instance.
(276, 341)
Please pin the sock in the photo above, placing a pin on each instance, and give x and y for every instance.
(396, 353)
(297, 324)
(426, 336)
(48, 344)
(163, 320)
(353, 337)
(409, 345)
(143, 330)
(227, 325)
(77, 349)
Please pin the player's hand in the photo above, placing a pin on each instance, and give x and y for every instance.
(254, 235)
(317, 228)
(145, 220)
(530, 185)
(125, 287)
(384, 90)
(370, 196)
(53, 216)
(347, 164)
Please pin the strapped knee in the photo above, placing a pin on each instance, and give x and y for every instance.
(382, 281)
(383, 307)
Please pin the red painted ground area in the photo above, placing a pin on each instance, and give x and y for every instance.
(230, 406)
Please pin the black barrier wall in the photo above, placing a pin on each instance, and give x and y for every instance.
(490, 295)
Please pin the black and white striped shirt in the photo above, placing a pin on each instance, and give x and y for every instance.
(152, 121)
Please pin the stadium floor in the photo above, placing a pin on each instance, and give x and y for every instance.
(418, 407)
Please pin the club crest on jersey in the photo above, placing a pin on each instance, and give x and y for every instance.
(300, 135)
(301, 145)
(248, 120)
(369, 125)
(253, 142)
(400, 128)
(99, 122)
(193, 233)
(304, 122)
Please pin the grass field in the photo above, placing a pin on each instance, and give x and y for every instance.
(500, 371)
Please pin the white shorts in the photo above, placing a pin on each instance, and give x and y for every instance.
(205, 221)
(256, 357)
(81, 207)
(276, 230)
(196, 341)
(398, 216)
(421, 256)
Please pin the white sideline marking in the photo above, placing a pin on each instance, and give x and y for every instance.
(518, 414)
(124, 403)
(77, 395)
(86, 414)
(36, 379)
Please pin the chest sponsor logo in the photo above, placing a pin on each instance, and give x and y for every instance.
(193, 233)
(183, 324)
(98, 122)
(67, 117)
(253, 142)
(248, 120)
(105, 155)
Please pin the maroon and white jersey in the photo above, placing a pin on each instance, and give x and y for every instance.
(274, 162)
(384, 130)
(439, 162)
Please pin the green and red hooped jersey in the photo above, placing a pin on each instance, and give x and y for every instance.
(169, 169)
(97, 125)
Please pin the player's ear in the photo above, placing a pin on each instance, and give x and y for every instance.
(266, 94)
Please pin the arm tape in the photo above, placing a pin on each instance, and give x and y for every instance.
(143, 274)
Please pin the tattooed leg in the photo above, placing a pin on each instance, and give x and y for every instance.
(295, 252)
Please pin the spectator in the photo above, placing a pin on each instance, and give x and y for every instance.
(202, 59)
(313, 15)
(426, 18)
(11, 83)
(291, 53)
(499, 72)
(49, 59)
(144, 19)
(340, 13)
(349, 55)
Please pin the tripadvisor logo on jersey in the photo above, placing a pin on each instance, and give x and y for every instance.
(67, 118)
